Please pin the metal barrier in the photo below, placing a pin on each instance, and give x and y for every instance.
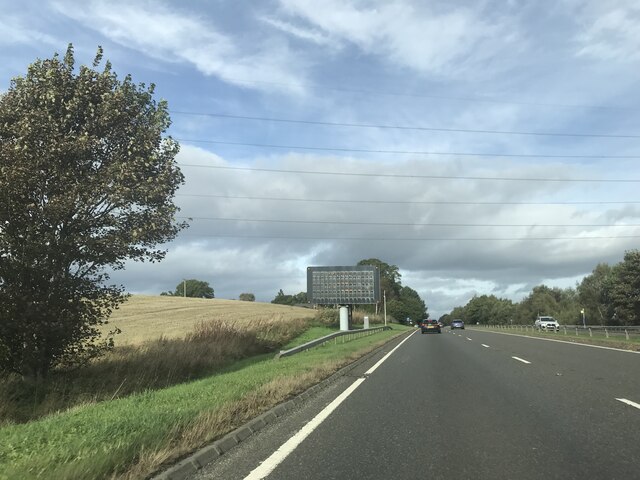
(577, 330)
(350, 334)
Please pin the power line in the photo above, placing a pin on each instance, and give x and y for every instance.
(403, 127)
(401, 224)
(397, 202)
(431, 177)
(432, 96)
(415, 239)
(405, 152)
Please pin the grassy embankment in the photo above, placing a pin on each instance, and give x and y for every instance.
(132, 436)
(581, 336)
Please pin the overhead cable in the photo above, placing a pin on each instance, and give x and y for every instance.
(432, 177)
(404, 152)
(402, 127)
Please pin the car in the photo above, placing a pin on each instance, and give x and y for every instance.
(430, 326)
(457, 324)
(546, 323)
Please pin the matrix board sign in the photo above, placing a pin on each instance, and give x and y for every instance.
(343, 285)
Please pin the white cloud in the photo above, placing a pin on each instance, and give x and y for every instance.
(310, 35)
(610, 31)
(15, 30)
(445, 41)
(171, 35)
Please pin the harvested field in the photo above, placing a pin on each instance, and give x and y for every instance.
(143, 318)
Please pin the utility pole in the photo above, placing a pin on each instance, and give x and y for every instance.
(384, 297)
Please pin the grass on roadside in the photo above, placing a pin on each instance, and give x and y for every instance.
(153, 365)
(131, 437)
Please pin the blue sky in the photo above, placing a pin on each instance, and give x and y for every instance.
(499, 104)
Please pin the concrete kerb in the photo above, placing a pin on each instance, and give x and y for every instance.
(199, 459)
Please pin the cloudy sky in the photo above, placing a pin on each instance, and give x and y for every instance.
(483, 147)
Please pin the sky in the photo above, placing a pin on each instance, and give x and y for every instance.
(483, 147)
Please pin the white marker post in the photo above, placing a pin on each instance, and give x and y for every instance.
(344, 317)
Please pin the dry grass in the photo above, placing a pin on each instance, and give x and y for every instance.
(143, 318)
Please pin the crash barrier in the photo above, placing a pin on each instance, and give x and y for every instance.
(348, 334)
(628, 332)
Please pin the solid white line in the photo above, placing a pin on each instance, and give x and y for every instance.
(290, 445)
(266, 467)
(521, 359)
(629, 402)
(485, 346)
(372, 369)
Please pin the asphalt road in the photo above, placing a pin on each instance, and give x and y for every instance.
(463, 405)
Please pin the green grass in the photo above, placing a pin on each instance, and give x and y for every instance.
(311, 334)
(131, 437)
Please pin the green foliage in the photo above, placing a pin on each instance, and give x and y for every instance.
(609, 296)
(624, 291)
(562, 304)
(192, 288)
(594, 295)
(87, 183)
(247, 297)
(489, 309)
(402, 302)
(389, 277)
(408, 305)
(297, 299)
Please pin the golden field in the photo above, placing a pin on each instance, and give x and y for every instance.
(146, 317)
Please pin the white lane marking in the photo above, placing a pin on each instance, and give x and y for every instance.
(629, 402)
(266, 467)
(372, 369)
(521, 359)
(564, 341)
(469, 339)
(485, 346)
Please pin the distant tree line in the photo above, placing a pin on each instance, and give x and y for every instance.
(402, 301)
(610, 295)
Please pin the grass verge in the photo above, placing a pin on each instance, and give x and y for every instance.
(153, 365)
(132, 437)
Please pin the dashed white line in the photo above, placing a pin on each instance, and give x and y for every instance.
(521, 360)
(468, 339)
(629, 402)
(485, 346)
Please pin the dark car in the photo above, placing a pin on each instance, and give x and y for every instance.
(457, 324)
(430, 326)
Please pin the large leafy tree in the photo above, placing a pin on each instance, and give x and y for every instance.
(489, 309)
(594, 294)
(408, 305)
(625, 290)
(87, 182)
(192, 288)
